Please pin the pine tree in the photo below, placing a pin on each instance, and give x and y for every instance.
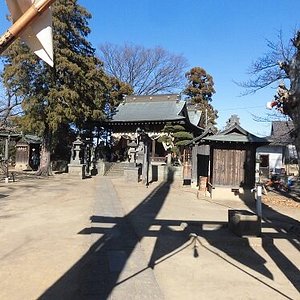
(175, 137)
(72, 92)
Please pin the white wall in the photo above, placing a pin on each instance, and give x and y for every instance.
(275, 155)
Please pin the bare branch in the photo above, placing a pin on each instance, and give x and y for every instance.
(268, 117)
(9, 107)
(271, 67)
(148, 71)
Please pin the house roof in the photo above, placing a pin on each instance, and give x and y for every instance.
(32, 139)
(282, 133)
(235, 133)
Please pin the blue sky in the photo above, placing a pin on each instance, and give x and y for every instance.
(222, 36)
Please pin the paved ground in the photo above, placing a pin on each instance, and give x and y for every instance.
(102, 238)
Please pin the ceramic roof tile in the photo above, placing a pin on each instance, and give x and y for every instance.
(149, 111)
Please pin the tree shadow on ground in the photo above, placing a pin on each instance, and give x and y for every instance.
(98, 272)
(282, 227)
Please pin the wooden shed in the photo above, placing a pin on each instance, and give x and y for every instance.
(232, 158)
(27, 153)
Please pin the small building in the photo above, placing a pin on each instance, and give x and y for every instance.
(232, 159)
(27, 153)
(280, 156)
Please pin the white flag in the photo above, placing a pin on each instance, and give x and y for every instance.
(38, 35)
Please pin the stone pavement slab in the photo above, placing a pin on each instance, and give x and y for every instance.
(115, 258)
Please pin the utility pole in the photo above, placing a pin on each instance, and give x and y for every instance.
(35, 10)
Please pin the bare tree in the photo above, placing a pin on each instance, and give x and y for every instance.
(266, 70)
(148, 71)
(281, 63)
(9, 107)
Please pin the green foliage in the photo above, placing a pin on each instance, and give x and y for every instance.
(169, 128)
(175, 136)
(182, 135)
(181, 143)
(116, 90)
(177, 128)
(71, 93)
(200, 89)
(165, 139)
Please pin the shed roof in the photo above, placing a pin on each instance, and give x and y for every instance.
(235, 133)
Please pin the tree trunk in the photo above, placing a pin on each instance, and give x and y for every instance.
(296, 122)
(45, 163)
(294, 93)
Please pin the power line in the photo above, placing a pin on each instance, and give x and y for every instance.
(236, 108)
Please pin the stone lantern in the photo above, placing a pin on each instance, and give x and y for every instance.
(75, 167)
(132, 153)
(76, 150)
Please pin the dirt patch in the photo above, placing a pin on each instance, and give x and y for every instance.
(277, 198)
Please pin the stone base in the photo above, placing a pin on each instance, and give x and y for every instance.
(132, 174)
(76, 170)
(244, 223)
(231, 193)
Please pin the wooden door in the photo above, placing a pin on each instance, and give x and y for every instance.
(229, 167)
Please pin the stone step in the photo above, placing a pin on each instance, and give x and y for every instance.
(117, 169)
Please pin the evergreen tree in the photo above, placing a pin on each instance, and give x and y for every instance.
(72, 92)
(200, 89)
(175, 137)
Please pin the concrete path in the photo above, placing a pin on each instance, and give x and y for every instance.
(102, 238)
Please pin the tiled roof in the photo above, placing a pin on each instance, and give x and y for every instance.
(149, 108)
(235, 133)
(282, 133)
